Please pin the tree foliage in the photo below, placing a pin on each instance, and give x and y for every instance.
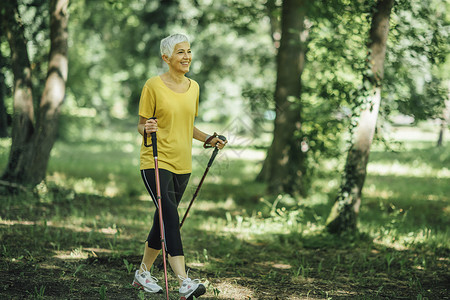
(418, 46)
(114, 48)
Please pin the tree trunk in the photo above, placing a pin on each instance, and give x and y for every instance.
(23, 114)
(3, 114)
(29, 165)
(445, 118)
(343, 216)
(54, 90)
(284, 166)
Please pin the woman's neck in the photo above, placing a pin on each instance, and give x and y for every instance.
(176, 78)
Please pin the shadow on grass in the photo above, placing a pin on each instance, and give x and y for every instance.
(318, 266)
(65, 244)
(75, 248)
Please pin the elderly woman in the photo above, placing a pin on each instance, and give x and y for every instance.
(173, 99)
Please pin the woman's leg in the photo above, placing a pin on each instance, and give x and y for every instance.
(188, 287)
(172, 189)
(178, 267)
(142, 277)
(177, 262)
(148, 258)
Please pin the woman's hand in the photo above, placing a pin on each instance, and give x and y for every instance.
(150, 126)
(216, 142)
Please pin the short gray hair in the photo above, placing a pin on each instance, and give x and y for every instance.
(168, 44)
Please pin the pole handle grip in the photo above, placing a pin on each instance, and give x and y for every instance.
(154, 144)
(153, 137)
(216, 150)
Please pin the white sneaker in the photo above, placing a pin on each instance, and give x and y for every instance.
(190, 288)
(145, 281)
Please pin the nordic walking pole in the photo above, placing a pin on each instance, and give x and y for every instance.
(158, 197)
(213, 156)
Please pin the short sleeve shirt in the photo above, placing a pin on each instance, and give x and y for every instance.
(176, 113)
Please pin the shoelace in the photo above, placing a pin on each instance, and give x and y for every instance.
(147, 274)
(188, 279)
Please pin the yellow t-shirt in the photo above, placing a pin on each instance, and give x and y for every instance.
(175, 113)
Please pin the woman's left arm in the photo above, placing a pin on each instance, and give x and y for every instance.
(202, 137)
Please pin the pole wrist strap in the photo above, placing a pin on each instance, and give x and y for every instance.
(208, 140)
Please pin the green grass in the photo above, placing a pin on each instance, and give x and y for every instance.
(81, 233)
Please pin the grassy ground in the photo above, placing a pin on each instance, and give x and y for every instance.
(80, 235)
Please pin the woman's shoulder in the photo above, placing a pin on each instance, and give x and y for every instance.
(153, 81)
(194, 83)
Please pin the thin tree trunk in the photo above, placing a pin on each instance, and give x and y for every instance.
(29, 165)
(343, 216)
(284, 166)
(3, 114)
(445, 118)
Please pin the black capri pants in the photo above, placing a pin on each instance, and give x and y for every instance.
(172, 189)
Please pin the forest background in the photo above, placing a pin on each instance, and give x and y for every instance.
(285, 175)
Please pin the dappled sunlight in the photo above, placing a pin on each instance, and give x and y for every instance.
(232, 152)
(281, 266)
(375, 192)
(228, 204)
(145, 198)
(15, 222)
(379, 192)
(111, 189)
(246, 154)
(81, 253)
(97, 148)
(77, 111)
(391, 238)
(74, 225)
(233, 289)
(270, 219)
(416, 169)
(273, 264)
(226, 169)
(413, 134)
(197, 265)
(5, 144)
(250, 228)
(128, 148)
(49, 266)
(87, 185)
(75, 254)
(402, 225)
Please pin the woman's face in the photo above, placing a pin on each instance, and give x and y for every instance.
(181, 57)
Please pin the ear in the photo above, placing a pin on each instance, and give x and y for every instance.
(165, 58)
